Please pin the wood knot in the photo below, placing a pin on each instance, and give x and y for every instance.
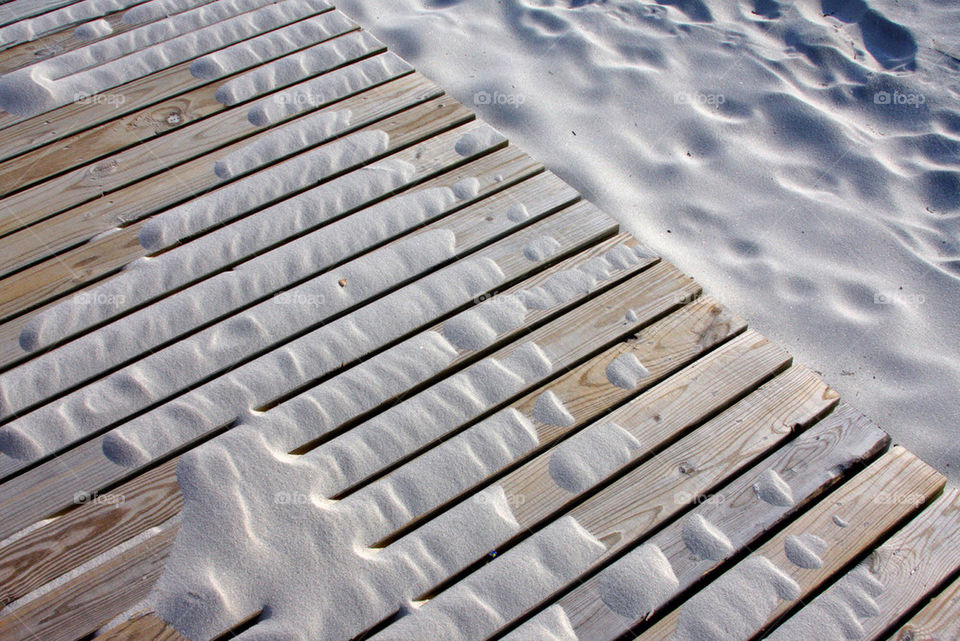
(105, 168)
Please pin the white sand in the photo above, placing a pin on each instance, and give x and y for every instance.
(32, 28)
(158, 9)
(772, 489)
(705, 539)
(836, 614)
(638, 583)
(298, 136)
(591, 455)
(314, 92)
(626, 371)
(105, 64)
(273, 44)
(274, 182)
(800, 178)
(93, 30)
(804, 550)
(550, 625)
(479, 605)
(183, 364)
(550, 410)
(297, 67)
(735, 605)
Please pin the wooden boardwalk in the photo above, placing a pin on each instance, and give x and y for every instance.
(732, 493)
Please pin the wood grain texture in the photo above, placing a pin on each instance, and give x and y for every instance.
(50, 486)
(938, 621)
(472, 227)
(143, 627)
(25, 133)
(213, 138)
(92, 599)
(86, 146)
(196, 177)
(102, 256)
(913, 562)
(93, 527)
(812, 464)
(62, 40)
(595, 396)
(859, 504)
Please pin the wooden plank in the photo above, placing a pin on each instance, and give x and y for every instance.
(63, 39)
(760, 424)
(700, 322)
(468, 234)
(144, 499)
(68, 272)
(20, 9)
(143, 627)
(153, 497)
(938, 621)
(849, 521)
(810, 465)
(543, 193)
(16, 55)
(94, 598)
(49, 487)
(108, 112)
(499, 170)
(23, 134)
(196, 177)
(167, 117)
(95, 526)
(886, 585)
(208, 139)
(682, 340)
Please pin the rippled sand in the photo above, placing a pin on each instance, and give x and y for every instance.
(802, 160)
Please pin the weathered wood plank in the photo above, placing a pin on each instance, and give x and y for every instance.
(170, 117)
(69, 119)
(154, 496)
(143, 627)
(682, 340)
(49, 487)
(810, 465)
(755, 593)
(20, 9)
(103, 255)
(888, 583)
(62, 40)
(80, 606)
(470, 228)
(211, 139)
(938, 621)
(95, 526)
(196, 177)
(762, 422)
